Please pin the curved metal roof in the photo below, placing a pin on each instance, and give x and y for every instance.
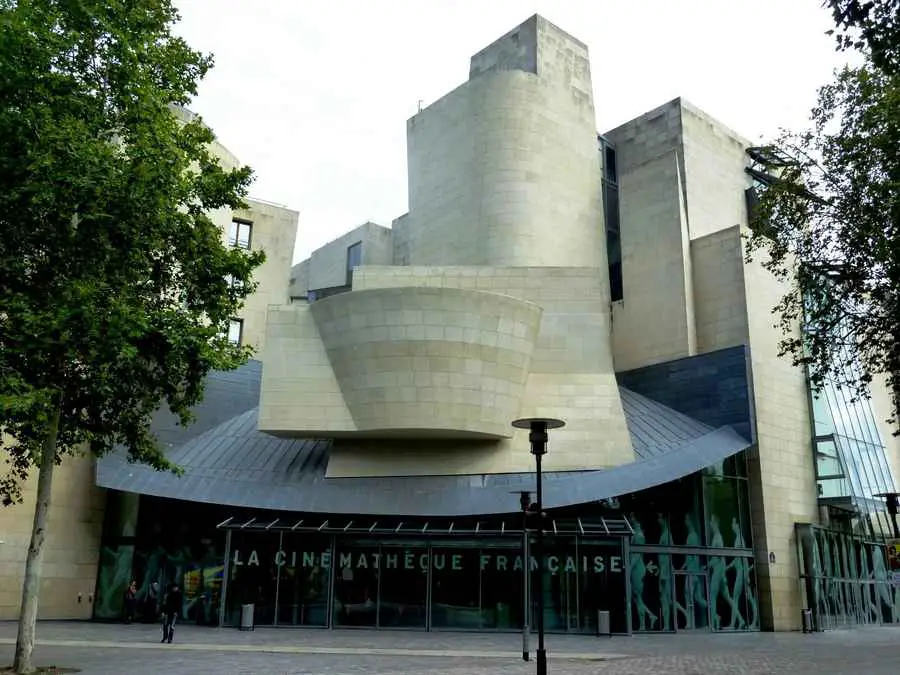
(226, 460)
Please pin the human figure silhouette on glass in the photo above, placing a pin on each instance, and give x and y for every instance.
(637, 572)
(718, 583)
(742, 586)
(664, 560)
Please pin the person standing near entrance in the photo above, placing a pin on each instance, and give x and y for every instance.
(171, 609)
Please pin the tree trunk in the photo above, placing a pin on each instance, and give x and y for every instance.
(31, 585)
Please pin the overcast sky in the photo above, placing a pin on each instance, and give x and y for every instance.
(315, 94)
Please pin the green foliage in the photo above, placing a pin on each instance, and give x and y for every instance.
(869, 25)
(829, 223)
(113, 291)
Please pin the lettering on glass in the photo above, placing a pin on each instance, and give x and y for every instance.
(416, 560)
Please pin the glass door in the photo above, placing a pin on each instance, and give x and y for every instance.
(691, 602)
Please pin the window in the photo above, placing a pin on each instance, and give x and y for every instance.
(354, 259)
(610, 188)
(233, 283)
(236, 331)
(239, 233)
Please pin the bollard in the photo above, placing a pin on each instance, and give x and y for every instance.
(806, 620)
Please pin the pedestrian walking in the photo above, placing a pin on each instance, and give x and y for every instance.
(172, 604)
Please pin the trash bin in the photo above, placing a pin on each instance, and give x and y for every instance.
(603, 628)
(247, 617)
(806, 620)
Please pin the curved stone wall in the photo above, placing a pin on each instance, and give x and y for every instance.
(505, 171)
(433, 362)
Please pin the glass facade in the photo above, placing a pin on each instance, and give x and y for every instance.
(846, 578)
(688, 566)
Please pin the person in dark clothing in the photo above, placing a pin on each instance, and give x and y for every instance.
(171, 608)
(130, 601)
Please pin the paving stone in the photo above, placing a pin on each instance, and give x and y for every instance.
(115, 649)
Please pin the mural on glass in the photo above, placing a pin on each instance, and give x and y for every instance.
(167, 548)
(846, 578)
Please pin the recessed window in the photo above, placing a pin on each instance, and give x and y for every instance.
(236, 331)
(354, 259)
(239, 234)
(233, 283)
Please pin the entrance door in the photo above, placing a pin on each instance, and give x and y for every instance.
(691, 602)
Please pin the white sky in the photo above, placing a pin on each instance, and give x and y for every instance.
(315, 94)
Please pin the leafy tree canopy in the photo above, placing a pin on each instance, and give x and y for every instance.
(828, 221)
(113, 291)
(869, 25)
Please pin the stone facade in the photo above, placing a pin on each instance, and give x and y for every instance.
(77, 508)
(495, 302)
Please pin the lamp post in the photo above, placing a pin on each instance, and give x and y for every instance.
(538, 426)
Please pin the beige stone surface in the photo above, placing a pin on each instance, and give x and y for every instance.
(570, 377)
(327, 266)
(504, 170)
(720, 293)
(72, 545)
(782, 470)
(274, 231)
(439, 362)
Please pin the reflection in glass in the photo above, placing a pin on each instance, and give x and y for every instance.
(303, 582)
(253, 576)
(602, 585)
(404, 586)
(356, 585)
(455, 601)
(112, 580)
(502, 586)
(637, 572)
(560, 572)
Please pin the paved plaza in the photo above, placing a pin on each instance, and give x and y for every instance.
(106, 649)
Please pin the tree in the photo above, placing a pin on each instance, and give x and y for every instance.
(828, 220)
(869, 25)
(115, 285)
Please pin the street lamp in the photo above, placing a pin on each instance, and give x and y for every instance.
(538, 426)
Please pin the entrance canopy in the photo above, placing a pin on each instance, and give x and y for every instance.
(585, 527)
(226, 460)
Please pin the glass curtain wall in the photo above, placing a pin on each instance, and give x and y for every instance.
(846, 578)
(691, 565)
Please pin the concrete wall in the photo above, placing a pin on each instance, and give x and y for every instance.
(503, 171)
(274, 231)
(883, 409)
(72, 546)
(298, 285)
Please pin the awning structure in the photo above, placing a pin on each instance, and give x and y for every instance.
(512, 527)
(226, 460)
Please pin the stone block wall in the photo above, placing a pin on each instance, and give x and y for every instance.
(72, 546)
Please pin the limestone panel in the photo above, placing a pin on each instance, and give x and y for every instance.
(328, 265)
(720, 302)
(503, 170)
(652, 323)
(299, 391)
(72, 544)
(571, 377)
(782, 470)
(714, 161)
(274, 231)
(429, 361)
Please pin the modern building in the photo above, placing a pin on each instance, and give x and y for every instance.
(364, 470)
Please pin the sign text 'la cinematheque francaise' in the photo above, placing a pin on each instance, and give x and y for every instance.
(415, 560)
